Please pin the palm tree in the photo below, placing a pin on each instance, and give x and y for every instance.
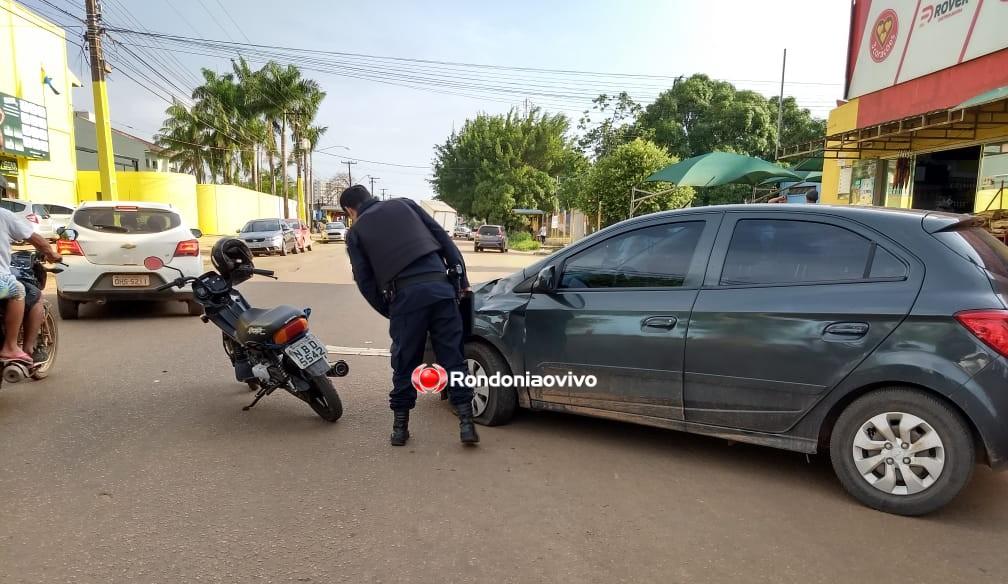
(182, 138)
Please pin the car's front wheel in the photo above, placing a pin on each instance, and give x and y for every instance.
(492, 405)
(902, 451)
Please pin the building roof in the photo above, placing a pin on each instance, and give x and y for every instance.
(436, 206)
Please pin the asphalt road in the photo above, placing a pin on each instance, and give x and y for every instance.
(135, 463)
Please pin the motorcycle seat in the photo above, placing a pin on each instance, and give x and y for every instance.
(257, 325)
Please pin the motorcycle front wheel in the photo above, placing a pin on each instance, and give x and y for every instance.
(323, 399)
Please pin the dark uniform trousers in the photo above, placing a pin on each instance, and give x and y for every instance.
(409, 330)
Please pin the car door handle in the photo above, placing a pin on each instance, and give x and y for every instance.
(847, 329)
(660, 322)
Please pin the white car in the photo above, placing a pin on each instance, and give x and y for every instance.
(34, 213)
(59, 214)
(105, 245)
(335, 231)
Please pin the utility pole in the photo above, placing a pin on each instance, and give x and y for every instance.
(780, 106)
(383, 197)
(373, 178)
(103, 127)
(348, 163)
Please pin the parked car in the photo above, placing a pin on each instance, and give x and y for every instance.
(492, 236)
(334, 231)
(462, 232)
(302, 235)
(104, 247)
(34, 213)
(878, 336)
(59, 214)
(268, 236)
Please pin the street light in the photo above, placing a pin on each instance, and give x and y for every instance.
(347, 148)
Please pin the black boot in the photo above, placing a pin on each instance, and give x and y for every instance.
(467, 428)
(400, 427)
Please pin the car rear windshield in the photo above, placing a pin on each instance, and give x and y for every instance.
(57, 209)
(489, 230)
(126, 220)
(979, 246)
(335, 226)
(256, 226)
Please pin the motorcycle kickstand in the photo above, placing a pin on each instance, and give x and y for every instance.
(263, 392)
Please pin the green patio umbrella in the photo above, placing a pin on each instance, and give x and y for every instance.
(812, 176)
(720, 168)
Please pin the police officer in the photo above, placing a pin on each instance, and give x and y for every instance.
(401, 258)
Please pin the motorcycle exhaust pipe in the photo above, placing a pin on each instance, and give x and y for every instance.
(338, 369)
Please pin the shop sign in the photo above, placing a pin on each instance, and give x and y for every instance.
(8, 166)
(24, 128)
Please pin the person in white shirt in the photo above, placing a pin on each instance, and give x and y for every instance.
(23, 304)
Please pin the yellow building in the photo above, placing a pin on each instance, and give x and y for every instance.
(36, 134)
(925, 124)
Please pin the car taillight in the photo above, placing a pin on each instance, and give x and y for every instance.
(32, 217)
(990, 326)
(290, 331)
(68, 247)
(188, 248)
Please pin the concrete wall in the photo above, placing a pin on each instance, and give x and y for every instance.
(224, 209)
(30, 44)
(178, 190)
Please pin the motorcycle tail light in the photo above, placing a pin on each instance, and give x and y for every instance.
(290, 331)
(188, 248)
(68, 247)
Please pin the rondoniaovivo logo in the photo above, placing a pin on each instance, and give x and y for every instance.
(429, 378)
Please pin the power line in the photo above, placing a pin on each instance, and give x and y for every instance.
(228, 15)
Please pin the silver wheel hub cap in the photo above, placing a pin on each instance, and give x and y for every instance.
(898, 453)
(481, 392)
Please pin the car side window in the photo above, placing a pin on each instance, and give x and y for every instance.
(652, 257)
(774, 251)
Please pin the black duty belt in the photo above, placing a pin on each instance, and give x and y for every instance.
(400, 283)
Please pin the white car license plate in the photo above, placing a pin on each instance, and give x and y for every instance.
(306, 351)
(131, 280)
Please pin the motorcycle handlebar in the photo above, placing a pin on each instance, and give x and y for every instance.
(164, 287)
(261, 272)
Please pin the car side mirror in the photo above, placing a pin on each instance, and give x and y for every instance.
(545, 282)
(69, 234)
(196, 233)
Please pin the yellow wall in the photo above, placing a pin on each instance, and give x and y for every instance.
(179, 190)
(29, 44)
(224, 209)
(841, 119)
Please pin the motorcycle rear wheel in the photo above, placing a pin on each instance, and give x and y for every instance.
(323, 399)
(48, 340)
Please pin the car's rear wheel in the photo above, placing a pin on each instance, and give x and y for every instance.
(68, 309)
(476, 249)
(492, 406)
(902, 451)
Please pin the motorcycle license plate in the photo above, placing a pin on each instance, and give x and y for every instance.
(306, 351)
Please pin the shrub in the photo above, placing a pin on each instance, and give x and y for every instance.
(526, 245)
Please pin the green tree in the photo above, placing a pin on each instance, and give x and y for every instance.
(606, 189)
(497, 163)
(699, 115)
(610, 123)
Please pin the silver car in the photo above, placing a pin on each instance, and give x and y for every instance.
(334, 231)
(268, 236)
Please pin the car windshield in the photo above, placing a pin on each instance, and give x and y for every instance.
(336, 225)
(489, 230)
(13, 206)
(292, 223)
(260, 226)
(126, 219)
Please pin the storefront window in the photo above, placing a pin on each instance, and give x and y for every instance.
(863, 178)
(993, 177)
(897, 182)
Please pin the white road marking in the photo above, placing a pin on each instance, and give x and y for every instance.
(359, 351)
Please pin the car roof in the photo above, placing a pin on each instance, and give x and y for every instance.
(863, 213)
(113, 204)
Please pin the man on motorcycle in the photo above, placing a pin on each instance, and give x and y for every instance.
(23, 306)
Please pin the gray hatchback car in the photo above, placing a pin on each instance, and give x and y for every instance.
(877, 335)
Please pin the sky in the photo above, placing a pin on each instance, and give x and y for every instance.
(737, 40)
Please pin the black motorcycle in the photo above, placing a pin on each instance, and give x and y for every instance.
(269, 348)
(28, 268)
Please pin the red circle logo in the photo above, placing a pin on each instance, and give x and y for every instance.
(429, 378)
(883, 35)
